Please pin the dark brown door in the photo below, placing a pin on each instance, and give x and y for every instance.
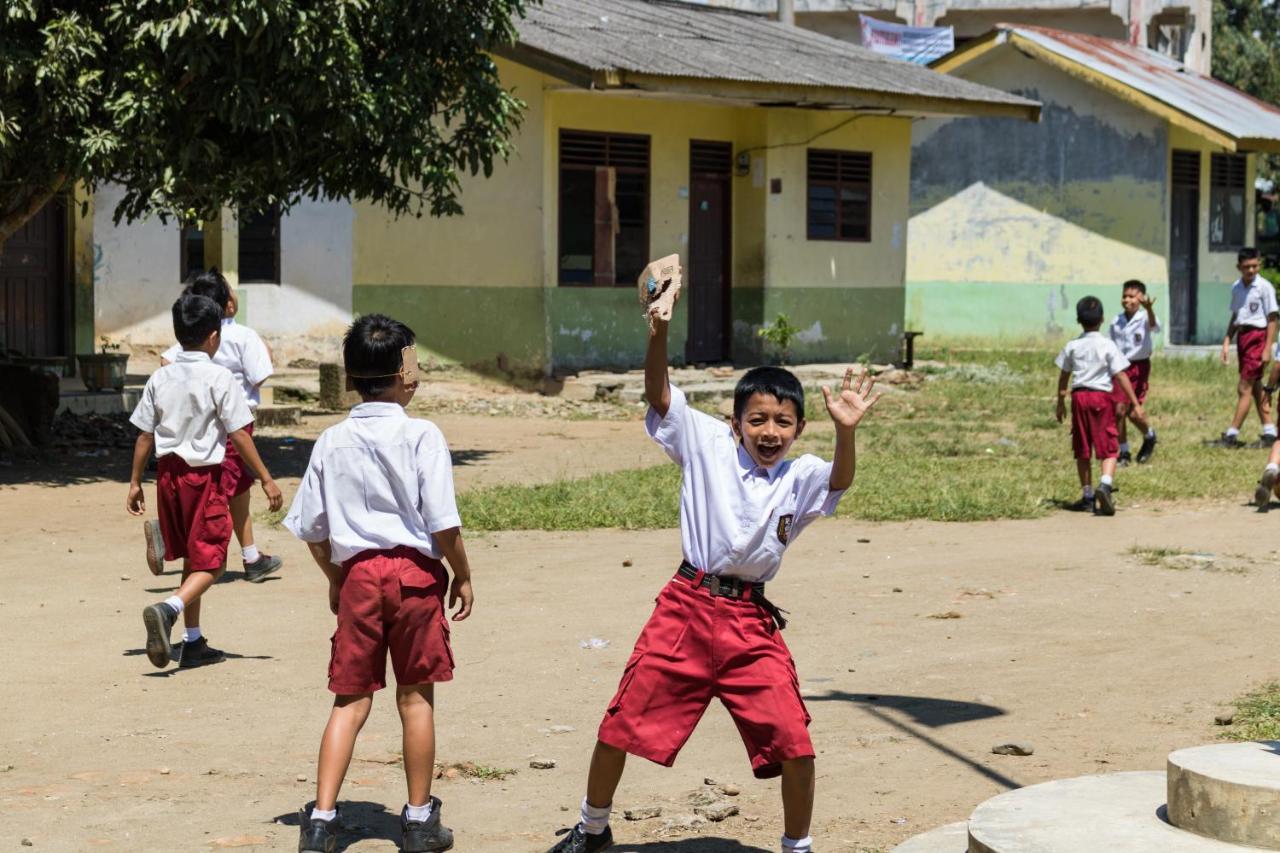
(1184, 244)
(33, 285)
(707, 278)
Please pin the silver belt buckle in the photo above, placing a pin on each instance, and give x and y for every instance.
(714, 585)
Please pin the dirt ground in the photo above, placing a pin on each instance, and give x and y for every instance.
(1055, 634)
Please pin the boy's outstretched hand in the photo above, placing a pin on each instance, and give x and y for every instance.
(853, 402)
(275, 500)
(460, 595)
(135, 502)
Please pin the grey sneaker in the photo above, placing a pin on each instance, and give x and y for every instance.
(1106, 500)
(1262, 494)
(258, 570)
(578, 841)
(316, 836)
(155, 545)
(159, 619)
(421, 836)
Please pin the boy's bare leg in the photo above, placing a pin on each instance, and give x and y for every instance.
(1108, 467)
(416, 703)
(1244, 400)
(607, 764)
(1143, 423)
(797, 797)
(194, 585)
(240, 519)
(1262, 402)
(345, 721)
(1123, 413)
(1084, 468)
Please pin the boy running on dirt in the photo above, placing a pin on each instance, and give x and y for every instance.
(1131, 332)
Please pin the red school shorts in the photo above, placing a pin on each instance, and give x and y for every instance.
(1250, 342)
(1093, 423)
(1139, 373)
(694, 648)
(236, 476)
(194, 519)
(391, 601)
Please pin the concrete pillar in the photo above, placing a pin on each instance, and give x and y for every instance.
(787, 12)
(222, 245)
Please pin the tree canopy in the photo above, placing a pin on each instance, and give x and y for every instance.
(1246, 52)
(195, 104)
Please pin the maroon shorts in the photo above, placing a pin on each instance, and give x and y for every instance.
(194, 518)
(695, 648)
(236, 476)
(1139, 373)
(391, 601)
(1093, 424)
(1250, 343)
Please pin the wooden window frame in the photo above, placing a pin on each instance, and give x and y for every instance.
(275, 250)
(838, 184)
(1223, 168)
(562, 168)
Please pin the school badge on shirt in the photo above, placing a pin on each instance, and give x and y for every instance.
(784, 528)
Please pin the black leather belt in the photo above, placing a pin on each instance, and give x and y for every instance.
(731, 587)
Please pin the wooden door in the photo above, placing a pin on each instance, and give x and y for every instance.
(710, 226)
(33, 285)
(1184, 245)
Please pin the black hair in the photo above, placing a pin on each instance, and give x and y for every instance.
(372, 347)
(1248, 253)
(777, 381)
(1134, 284)
(210, 283)
(1089, 311)
(195, 318)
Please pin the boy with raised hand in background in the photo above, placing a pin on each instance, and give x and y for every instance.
(248, 358)
(1131, 332)
(189, 411)
(1254, 313)
(1091, 364)
(376, 507)
(713, 632)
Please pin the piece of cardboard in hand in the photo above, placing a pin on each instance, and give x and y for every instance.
(659, 286)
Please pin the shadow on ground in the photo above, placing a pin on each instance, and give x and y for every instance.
(361, 821)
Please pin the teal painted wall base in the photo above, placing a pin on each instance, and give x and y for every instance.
(1213, 302)
(840, 324)
(603, 328)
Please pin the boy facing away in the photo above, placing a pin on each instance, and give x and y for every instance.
(1090, 364)
(1131, 332)
(376, 507)
(188, 413)
(1254, 313)
(713, 634)
(245, 354)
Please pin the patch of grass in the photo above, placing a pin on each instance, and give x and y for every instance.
(471, 770)
(1257, 715)
(268, 518)
(638, 499)
(1155, 556)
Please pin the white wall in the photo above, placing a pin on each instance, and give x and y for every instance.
(136, 274)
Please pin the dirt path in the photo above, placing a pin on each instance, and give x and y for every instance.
(1063, 638)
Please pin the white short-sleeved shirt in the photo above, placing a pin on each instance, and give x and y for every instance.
(1252, 305)
(737, 518)
(1091, 360)
(244, 354)
(377, 480)
(1132, 335)
(190, 406)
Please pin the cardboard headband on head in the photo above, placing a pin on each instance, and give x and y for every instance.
(408, 369)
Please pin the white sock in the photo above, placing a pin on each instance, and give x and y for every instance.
(1151, 433)
(1269, 429)
(1272, 468)
(250, 553)
(595, 820)
(1231, 431)
(418, 813)
(1106, 479)
(1124, 447)
(1088, 492)
(322, 814)
(191, 634)
(175, 602)
(803, 845)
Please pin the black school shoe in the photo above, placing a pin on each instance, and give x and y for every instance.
(422, 836)
(1147, 450)
(1106, 501)
(265, 565)
(199, 653)
(1083, 505)
(316, 836)
(159, 619)
(1262, 494)
(1230, 441)
(1124, 459)
(155, 546)
(576, 840)
(1264, 442)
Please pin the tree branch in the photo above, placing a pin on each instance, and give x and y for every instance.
(12, 220)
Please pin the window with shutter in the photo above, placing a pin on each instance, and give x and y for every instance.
(259, 254)
(839, 195)
(1227, 201)
(604, 207)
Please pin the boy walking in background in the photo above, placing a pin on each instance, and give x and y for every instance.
(1091, 364)
(249, 360)
(1131, 332)
(713, 633)
(376, 507)
(188, 412)
(1254, 313)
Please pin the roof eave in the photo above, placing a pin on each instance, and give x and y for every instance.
(1254, 143)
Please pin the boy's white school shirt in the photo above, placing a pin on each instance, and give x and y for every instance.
(190, 406)
(1132, 335)
(1091, 360)
(736, 517)
(1252, 305)
(244, 354)
(377, 480)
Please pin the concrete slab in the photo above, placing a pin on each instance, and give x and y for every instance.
(1228, 791)
(99, 402)
(1116, 813)
(952, 838)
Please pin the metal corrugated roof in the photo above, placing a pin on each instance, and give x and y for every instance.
(662, 45)
(1249, 122)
